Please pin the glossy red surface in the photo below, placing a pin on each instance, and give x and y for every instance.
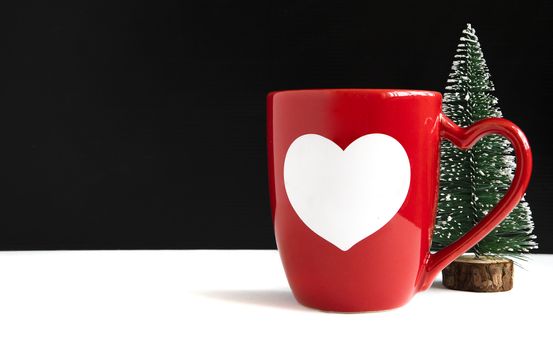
(387, 268)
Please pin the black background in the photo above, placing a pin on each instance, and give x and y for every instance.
(142, 124)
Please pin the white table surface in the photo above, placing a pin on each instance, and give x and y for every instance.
(239, 299)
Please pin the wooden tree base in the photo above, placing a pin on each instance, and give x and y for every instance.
(479, 275)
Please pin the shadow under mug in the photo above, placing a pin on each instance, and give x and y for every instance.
(353, 178)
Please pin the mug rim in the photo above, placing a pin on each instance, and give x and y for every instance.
(388, 92)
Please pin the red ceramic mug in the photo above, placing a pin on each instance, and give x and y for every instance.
(353, 177)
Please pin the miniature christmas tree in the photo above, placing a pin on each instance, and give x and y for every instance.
(473, 181)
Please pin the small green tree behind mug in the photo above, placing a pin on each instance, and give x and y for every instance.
(473, 181)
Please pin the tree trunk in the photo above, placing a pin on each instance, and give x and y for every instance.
(479, 275)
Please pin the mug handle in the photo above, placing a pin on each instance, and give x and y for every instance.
(465, 138)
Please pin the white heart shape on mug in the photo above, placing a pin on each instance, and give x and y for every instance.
(344, 196)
